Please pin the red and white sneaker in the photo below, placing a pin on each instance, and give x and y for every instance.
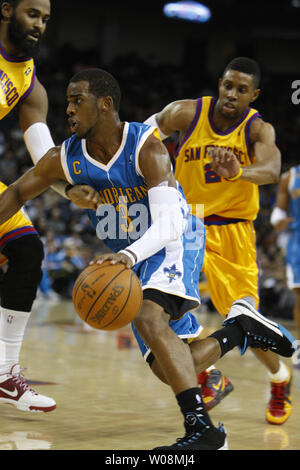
(15, 391)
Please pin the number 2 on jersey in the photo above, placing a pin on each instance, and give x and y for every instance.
(210, 175)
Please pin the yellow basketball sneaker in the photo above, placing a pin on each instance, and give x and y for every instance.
(280, 404)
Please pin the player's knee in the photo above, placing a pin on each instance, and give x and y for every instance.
(151, 320)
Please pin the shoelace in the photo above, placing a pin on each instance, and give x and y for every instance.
(190, 438)
(20, 381)
(278, 396)
(257, 341)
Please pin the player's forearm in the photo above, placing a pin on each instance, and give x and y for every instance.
(153, 240)
(259, 175)
(266, 169)
(60, 188)
(10, 203)
(167, 223)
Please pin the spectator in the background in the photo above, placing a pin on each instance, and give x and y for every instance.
(62, 265)
(56, 222)
(9, 167)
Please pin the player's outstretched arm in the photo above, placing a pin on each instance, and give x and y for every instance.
(267, 163)
(34, 182)
(164, 201)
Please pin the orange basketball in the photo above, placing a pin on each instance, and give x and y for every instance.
(107, 296)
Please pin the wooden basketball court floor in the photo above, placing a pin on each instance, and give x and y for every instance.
(107, 397)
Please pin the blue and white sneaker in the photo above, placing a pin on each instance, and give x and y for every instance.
(209, 438)
(260, 332)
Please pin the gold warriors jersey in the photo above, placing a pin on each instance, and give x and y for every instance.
(201, 185)
(17, 76)
(17, 226)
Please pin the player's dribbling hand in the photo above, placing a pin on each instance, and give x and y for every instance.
(84, 196)
(113, 258)
(224, 162)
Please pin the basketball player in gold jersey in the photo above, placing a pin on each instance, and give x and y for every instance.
(23, 22)
(225, 152)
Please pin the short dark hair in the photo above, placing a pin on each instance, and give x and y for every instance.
(13, 3)
(245, 65)
(101, 83)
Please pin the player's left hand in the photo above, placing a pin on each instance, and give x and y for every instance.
(113, 258)
(224, 162)
(84, 196)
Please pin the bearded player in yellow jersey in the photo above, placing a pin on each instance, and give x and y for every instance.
(23, 22)
(225, 152)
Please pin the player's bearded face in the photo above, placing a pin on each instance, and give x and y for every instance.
(26, 40)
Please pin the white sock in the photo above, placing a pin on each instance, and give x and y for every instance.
(282, 375)
(12, 328)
